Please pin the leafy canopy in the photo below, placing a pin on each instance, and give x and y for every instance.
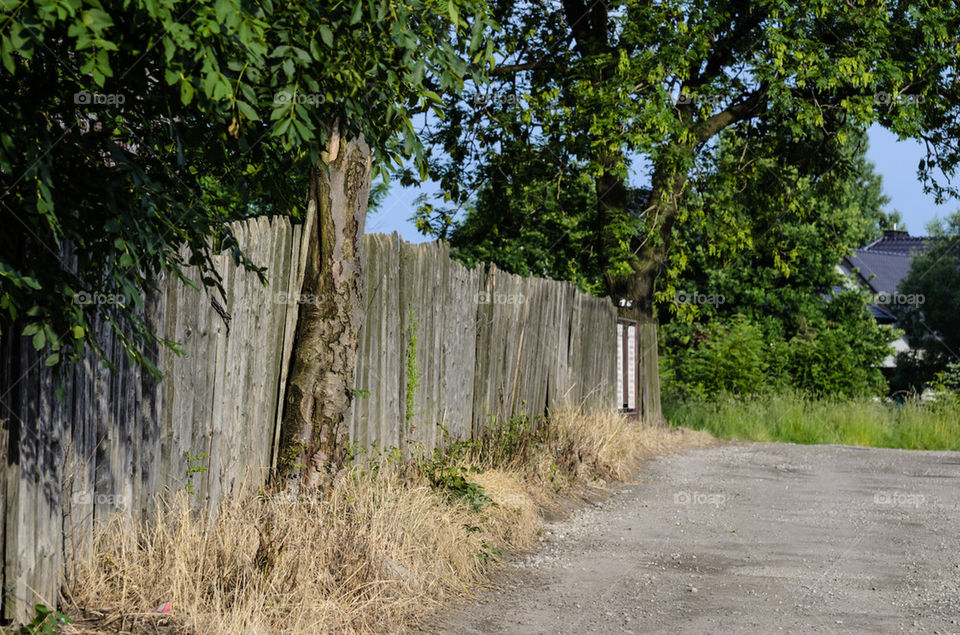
(754, 271)
(766, 222)
(591, 103)
(134, 132)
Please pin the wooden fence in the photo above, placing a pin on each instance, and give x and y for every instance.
(118, 438)
(487, 345)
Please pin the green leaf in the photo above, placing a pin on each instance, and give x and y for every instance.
(357, 9)
(39, 340)
(247, 110)
(326, 35)
(454, 12)
(281, 127)
(52, 360)
(305, 133)
(5, 53)
(52, 338)
(209, 84)
(186, 92)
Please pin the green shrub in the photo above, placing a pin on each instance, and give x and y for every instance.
(740, 357)
(948, 380)
(720, 357)
(447, 474)
(834, 362)
(508, 440)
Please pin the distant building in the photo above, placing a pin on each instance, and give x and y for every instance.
(879, 267)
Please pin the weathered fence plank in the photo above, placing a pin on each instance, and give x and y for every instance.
(649, 373)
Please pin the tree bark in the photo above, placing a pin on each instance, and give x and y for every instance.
(313, 432)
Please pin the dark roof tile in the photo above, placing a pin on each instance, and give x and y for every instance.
(884, 262)
(898, 242)
(881, 271)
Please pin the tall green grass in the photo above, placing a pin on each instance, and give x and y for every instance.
(790, 418)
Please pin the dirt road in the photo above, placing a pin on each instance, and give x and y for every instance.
(748, 537)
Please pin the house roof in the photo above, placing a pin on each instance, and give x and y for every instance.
(881, 272)
(885, 261)
(896, 241)
(881, 315)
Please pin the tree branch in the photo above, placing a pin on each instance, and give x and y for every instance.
(724, 49)
(511, 69)
(751, 106)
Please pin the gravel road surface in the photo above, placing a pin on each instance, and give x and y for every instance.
(748, 537)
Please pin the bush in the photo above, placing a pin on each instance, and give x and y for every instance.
(949, 379)
(833, 362)
(721, 357)
(830, 359)
(916, 372)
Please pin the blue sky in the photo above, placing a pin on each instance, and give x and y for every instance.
(896, 161)
(395, 213)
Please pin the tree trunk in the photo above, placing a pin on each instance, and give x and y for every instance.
(313, 432)
(634, 293)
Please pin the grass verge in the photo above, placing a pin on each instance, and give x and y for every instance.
(913, 425)
(378, 550)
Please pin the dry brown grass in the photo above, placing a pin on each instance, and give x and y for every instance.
(378, 550)
(582, 445)
(609, 446)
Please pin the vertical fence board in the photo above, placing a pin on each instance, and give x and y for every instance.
(298, 256)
